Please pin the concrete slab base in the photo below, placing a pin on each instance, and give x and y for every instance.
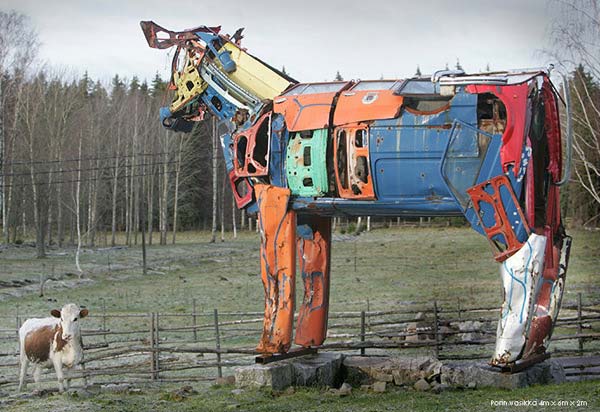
(479, 374)
(332, 369)
(322, 369)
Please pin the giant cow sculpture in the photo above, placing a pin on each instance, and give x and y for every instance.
(485, 146)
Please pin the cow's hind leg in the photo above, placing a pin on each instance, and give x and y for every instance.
(23, 372)
(37, 374)
(313, 236)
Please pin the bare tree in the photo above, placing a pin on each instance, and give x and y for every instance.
(214, 178)
(576, 39)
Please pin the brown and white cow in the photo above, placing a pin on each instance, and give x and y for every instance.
(51, 342)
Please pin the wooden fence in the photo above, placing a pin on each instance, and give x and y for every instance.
(200, 346)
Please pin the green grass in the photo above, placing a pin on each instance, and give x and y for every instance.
(317, 400)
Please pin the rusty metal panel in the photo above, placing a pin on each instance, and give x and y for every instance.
(277, 227)
(352, 162)
(492, 201)
(251, 148)
(306, 163)
(314, 254)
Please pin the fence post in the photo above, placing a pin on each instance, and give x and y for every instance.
(435, 329)
(459, 311)
(156, 346)
(104, 318)
(194, 320)
(152, 352)
(355, 256)
(579, 324)
(218, 344)
(17, 320)
(362, 332)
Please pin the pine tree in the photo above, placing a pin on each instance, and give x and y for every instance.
(159, 86)
(134, 86)
(418, 72)
(458, 66)
(338, 77)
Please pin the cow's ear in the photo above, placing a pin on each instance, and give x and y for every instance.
(55, 313)
(83, 313)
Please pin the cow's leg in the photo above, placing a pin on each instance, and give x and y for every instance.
(313, 236)
(23, 372)
(277, 227)
(81, 366)
(37, 374)
(521, 277)
(58, 368)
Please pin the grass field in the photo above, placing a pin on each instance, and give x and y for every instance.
(387, 267)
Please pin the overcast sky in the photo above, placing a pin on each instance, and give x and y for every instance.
(312, 38)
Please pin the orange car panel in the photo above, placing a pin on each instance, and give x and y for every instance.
(352, 163)
(362, 105)
(278, 266)
(305, 112)
(315, 265)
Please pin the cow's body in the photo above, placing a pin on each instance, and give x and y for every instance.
(44, 343)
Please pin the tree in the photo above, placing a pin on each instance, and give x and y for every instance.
(458, 66)
(576, 39)
(18, 50)
(418, 72)
(338, 77)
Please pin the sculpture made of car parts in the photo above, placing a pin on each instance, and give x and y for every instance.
(486, 146)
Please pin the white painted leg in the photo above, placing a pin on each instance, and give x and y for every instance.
(520, 274)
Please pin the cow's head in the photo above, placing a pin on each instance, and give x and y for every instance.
(193, 95)
(69, 316)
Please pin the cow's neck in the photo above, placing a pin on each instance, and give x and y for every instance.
(60, 343)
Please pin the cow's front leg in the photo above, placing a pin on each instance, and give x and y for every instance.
(58, 368)
(314, 244)
(277, 227)
(521, 274)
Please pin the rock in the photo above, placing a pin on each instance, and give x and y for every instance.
(345, 389)
(464, 373)
(403, 370)
(289, 391)
(383, 377)
(225, 380)
(322, 369)
(379, 387)
(422, 385)
(276, 376)
(471, 385)
(237, 391)
(439, 387)
(366, 387)
(180, 394)
(420, 316)
(116, 388)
